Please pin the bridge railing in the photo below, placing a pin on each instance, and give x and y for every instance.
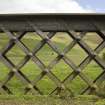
(46, 26)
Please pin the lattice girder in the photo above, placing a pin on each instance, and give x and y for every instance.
(47, 70)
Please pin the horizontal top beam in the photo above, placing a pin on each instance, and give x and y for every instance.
(53, 22)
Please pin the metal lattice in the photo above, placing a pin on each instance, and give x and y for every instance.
(47, 70)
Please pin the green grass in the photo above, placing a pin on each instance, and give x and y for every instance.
(44, 100)
(46, 54)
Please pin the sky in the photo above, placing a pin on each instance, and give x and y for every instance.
(52, 6)
(96, 5)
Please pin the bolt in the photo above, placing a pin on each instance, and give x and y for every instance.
(14, 38)
(62, 55)
(94, 87)
(78, 38)
(78, 70)
(62, 86)
(46, 39)
(46, 70)
(94, 54)
(30, 86)
(30, 54)
(14, 70)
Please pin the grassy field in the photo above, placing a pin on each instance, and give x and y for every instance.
(46, 54)
(44, 100)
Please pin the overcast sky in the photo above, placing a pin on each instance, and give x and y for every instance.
(51, 6)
